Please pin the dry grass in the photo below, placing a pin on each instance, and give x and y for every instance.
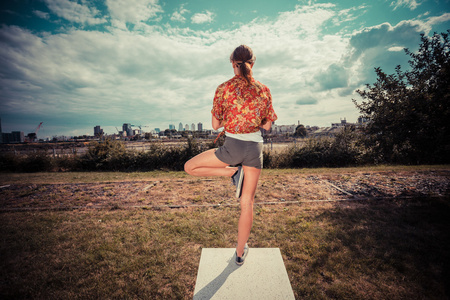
(82, 177)
(389, 248)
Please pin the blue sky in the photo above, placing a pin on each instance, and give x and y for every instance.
(77, 64)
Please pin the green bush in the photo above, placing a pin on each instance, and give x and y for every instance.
(108, 155)
(10, 162)
(343, 150)
(33, 162)
(113, 156)
(37, 162)
(67, 163)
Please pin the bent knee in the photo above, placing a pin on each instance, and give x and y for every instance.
(188, 167)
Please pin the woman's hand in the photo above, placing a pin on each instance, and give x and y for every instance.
(265, 125)
(216, 124)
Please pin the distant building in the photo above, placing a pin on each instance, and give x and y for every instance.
(180, 127)
(13, 137)
(281, 129)
(193, 127)
(324, 131)
(362, 120)
(18, 136)
(98, 131)
(127, 130)
(186, 127)
(171, 127)
(200, 126)
(157, 130)
(342, 124)
(62, 138)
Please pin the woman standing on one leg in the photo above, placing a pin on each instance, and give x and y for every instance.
(242, 106)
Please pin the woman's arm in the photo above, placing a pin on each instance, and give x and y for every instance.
(216, 124)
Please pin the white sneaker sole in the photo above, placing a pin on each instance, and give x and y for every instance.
(239, 184)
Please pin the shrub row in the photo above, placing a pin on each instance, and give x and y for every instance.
(106, 156)
(340, 151)
(345, 149)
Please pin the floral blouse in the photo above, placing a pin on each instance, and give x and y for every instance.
(243, 107)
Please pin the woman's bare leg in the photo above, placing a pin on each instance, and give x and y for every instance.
(207, 164)
(251, 177)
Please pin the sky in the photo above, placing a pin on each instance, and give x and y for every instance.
(76, 64)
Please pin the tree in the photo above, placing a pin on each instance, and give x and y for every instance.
(300, 131)
(409, 110)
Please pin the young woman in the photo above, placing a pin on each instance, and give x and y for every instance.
(242, 106)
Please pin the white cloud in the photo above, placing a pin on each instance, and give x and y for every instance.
(133, 11)
(305, 20)
(152, 76)
(41, 14)
(335, 76)
(411, 4)
(431, 21)
(178, 15)
(75, 12)
(382, 46)
(396, 49)
(200, 18)
(385, 36)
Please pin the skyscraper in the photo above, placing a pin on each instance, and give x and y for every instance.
(98, 131)
(200, 126)
(126, 127)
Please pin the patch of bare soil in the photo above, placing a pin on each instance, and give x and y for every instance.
(176, 192)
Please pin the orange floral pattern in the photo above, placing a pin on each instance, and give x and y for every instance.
(243, 107)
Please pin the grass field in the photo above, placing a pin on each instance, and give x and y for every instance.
(356, 233)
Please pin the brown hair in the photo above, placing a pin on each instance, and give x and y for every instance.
(243, 56)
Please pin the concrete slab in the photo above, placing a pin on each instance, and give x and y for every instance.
(262, 276)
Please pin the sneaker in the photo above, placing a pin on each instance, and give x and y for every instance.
(240, 260)
(238, 180)
(236, 176)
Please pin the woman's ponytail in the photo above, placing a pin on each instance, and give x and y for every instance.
(244, 58)
(246, 71)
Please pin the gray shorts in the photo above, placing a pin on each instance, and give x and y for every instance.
(235, 152)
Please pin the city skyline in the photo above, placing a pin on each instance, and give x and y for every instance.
(130, 129)
(76, 64)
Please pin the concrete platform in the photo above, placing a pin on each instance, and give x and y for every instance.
(262, 276)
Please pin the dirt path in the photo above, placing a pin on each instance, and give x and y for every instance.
(190, 191)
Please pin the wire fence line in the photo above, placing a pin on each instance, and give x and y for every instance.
(209, 205)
